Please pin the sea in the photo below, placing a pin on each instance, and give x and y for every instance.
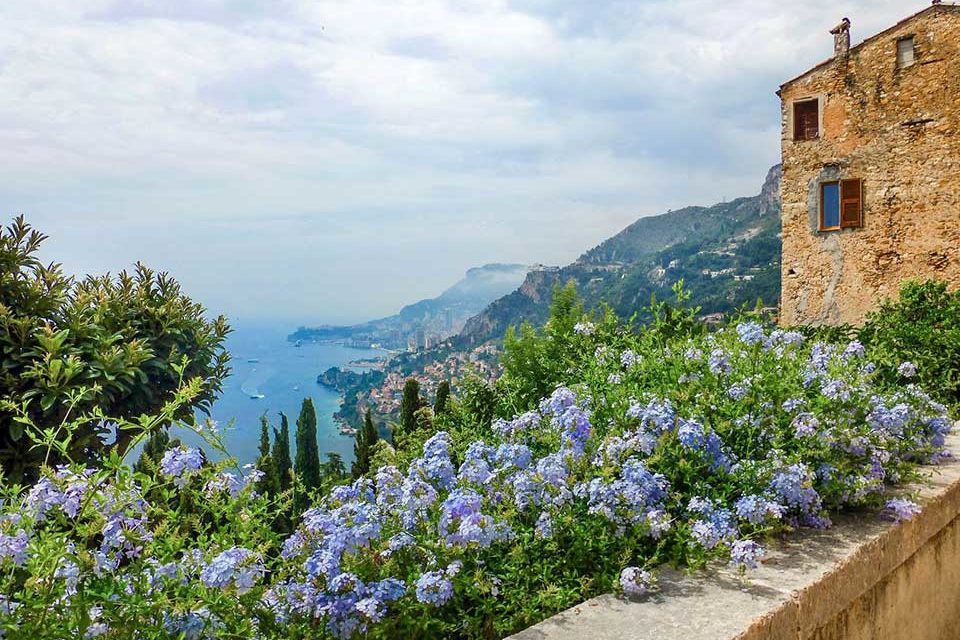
(263, 363)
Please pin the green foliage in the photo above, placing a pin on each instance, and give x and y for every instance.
(307, 461)
(443, 396)
(334, 471)
(921, 327)
(409, 404)
(120, 345)
(269, 484)
(281, 453)
(367, 438)
(154, 448)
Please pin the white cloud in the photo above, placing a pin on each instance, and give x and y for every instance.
(310, 150)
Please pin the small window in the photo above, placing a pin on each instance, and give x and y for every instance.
(806, 120)
(906, 52)
(841, 205)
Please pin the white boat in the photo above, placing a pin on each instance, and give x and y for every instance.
(257, 396)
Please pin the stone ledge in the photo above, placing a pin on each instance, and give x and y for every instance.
(863, 578)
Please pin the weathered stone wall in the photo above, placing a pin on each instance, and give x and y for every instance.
(899, 131)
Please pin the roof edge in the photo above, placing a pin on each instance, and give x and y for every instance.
(930, 9)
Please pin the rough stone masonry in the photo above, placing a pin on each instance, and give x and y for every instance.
(871, 170)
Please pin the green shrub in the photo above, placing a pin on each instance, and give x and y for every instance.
(119, 344)
(921, 327)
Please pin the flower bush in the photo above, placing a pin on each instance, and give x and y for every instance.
(683, 449)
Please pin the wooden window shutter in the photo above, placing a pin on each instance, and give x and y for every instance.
(806, 120)
(851, 203)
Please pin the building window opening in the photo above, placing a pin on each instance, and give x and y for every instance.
(906, 52)
(806, 120)
(841, 205)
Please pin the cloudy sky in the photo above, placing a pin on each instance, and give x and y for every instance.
(331, 160)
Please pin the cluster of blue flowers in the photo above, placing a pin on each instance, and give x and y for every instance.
(705, 469)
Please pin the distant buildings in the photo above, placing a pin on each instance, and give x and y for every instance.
(871, 169)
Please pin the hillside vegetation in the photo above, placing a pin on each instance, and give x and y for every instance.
(727, 254)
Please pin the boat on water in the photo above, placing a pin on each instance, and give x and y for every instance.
(253, 360)
(257, 396)
(348, 431)
(298, 343)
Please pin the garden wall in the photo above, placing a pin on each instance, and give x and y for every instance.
(863, 579)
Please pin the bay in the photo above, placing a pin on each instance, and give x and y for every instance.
(265, 364)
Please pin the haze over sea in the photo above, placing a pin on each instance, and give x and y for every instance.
(284, 375)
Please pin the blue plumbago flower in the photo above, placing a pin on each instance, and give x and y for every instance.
(889, 420)
(792, 404)
(750, 333)
(693, 353)
(434, 587)
(757, 509)
(794, 486)
(716, 525)
(745, 554)
(544, 526)
(635, 582)
(738, 391)
(180, 463)
(476, 467)
(719, 362)
(657, 416)
(805, 425)
(509, 457)
(521, 425)
(902, 509)
(584, 328)
(558, 402)
(192, 625)
(628, 359)
(854, 350)
(836, 390)
(629, 499)
(435, 465)
(694, 437)
(236, 567)
(614, 379)
(907, 369)
(547, 483)
(14, 547)
(462, 524)
(400, 541)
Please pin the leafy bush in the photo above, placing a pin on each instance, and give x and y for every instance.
(119, 345)
(922, 327)
(659, 448)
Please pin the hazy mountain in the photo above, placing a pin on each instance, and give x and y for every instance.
(728, 255)
(434, 318)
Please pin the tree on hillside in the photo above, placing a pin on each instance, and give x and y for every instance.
(281, 453)
(408, 406)
(443, 396)
(333, 469)
(363, 448)
(269, 484)
(307, 462)
(119, 345)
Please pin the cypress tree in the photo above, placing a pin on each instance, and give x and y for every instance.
(409, 405)
(363, 448)
(281, 453)
(307, 462)
(269, 484)
(443, 396)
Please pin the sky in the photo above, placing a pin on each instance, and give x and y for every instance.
(332, 160)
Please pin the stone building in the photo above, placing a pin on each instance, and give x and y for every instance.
(871, 169)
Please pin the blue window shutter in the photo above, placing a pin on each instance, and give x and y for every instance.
(830, 205)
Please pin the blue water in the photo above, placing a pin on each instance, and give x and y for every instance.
(284, 375)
